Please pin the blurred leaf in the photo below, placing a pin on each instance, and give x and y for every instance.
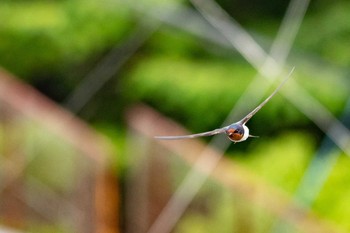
(51, 37)
(334, 199)
(281, 160)
(198, 92)
(327, 32)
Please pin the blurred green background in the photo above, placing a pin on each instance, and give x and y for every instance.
(55, 45)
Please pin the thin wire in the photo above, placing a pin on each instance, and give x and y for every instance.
(207, 161)
(317, 172)
(307, 104)
(183, 18)
(108, 67)
(319, 114)
(321, 166)
(279, 51)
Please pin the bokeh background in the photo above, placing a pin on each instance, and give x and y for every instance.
(86, 84)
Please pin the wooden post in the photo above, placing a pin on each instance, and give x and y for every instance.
(107, 202)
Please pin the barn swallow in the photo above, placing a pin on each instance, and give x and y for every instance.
(236, 132)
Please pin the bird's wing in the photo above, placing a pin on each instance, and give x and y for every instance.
(209, 133)
(252, 113)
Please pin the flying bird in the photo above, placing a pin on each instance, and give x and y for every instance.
(236, 132)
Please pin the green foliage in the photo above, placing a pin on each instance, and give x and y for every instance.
(327, 33)
(52, 161)
(39, 37)
(282, 160)
(215, 216)
(177, 44)
(197, 92)
(119, 138)
(333, 202)
(41, 228)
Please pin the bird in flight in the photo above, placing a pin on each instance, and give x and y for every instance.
(236, 132)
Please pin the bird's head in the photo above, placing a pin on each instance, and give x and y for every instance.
(238, 132)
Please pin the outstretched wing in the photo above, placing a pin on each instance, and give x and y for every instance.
(209, 133)
(252, 113)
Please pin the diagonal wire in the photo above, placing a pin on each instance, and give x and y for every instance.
(101, 74)
(108, 67)
(307, 104)
(183, 18)
(278, 52)
(321, 166)
(317, 172)
(207, 161)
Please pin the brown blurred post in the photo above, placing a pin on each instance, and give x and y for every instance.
(107, 202)
(11, 208)
(159, 189)
(148, 181)
(102, 188)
